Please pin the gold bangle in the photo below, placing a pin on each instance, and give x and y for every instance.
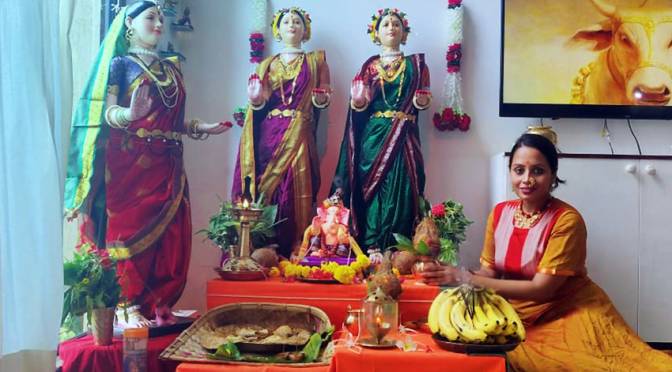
(257, 107)
(321, 106)
(108, 118)
(358, 109)
(122, 121)
(114, 117)
(194, 133)
(425, 107)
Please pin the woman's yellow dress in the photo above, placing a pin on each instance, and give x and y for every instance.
(579, 329)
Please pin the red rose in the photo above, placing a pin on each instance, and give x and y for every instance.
(439, 211)
(454, 3)
(464, 123)
(105, 260)
(436, 120)
(447, 115)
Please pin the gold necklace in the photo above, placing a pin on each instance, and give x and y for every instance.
(394, 69)
(526, 220)
(161, 86)
(289, 71)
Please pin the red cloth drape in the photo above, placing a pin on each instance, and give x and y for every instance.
(80, 354)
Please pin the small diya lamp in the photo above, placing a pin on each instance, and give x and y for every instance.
(381, 317)
(243, 267)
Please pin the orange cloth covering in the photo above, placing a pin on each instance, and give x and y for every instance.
(579, 329)
(332, 298)
(371, 360)
(436, 360)
(202, 367)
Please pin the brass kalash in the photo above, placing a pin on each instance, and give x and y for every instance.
(243, 267)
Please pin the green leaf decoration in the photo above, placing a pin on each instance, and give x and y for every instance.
(403, 243)
(423, 249)
(228, 351)
(312, 348)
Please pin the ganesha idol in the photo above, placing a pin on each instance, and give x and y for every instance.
(327, 239)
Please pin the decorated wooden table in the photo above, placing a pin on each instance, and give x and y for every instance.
(332, 298)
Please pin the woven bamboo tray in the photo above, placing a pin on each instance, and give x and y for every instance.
(187, 348)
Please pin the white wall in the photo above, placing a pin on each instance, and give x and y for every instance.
(457, 164)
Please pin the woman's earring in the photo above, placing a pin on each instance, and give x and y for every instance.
(129, 34)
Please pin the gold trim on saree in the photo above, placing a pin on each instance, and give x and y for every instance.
(286, 113)
(285, 153)
(394, 114)
(246, 149)
(560, 272)
(156, 133)
(160, 228)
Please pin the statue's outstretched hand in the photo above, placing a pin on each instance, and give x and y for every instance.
(214, 128)
(359, 92)
(255, 90)
(141, 102)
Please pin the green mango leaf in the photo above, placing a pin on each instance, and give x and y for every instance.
(312, 348)
(423, 249)
(229, 351)
(403, 243)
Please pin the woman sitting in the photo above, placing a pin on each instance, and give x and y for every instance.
(534, 255)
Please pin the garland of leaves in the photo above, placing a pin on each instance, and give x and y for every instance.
(453, 116)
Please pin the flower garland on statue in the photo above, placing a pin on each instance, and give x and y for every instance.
(345, 274)
(453, 116)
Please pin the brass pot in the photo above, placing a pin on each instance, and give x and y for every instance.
(102, 321)
(546, 131)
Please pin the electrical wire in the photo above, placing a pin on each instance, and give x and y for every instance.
(607, 133)
(639, 148)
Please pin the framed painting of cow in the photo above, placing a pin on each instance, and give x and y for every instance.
(587, 58)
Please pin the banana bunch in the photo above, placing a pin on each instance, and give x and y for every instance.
(475, 315)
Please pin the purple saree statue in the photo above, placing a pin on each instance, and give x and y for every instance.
(277, 147)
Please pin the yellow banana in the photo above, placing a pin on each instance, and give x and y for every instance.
(466, 330)
(510, 313)
(446, 327)
(494, 316)
(481, 321)
(433, 315)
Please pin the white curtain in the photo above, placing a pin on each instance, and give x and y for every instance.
(31, 182)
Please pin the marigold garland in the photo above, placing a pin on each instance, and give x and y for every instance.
(453, 116)
(345, 274)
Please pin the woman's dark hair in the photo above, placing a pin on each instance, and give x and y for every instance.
(545, 147)
(135, 9)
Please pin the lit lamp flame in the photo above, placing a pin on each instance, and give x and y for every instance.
(246, 204)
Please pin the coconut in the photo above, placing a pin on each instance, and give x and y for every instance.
(428, 232)
(384, 279)
(403, 261)
(265, 257)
